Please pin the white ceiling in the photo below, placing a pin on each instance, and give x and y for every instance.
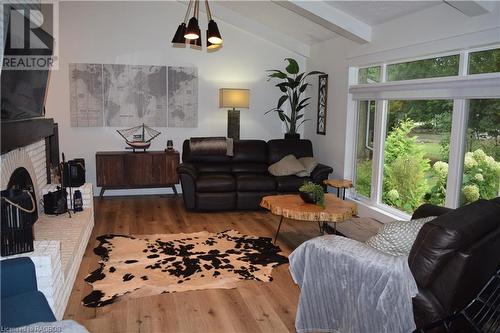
(281, 19)
(376, 12)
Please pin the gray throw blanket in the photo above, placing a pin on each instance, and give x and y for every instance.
(218, 146)
(347, 286)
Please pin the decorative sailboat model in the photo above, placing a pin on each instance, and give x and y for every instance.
(138, 137)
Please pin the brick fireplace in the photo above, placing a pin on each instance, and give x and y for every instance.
(60, 241)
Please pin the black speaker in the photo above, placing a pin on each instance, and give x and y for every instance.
(74, 173)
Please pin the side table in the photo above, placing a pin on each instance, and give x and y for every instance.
(339, 184)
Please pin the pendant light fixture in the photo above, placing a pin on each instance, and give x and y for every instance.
(191, 32)
(213, 34)
(193, 29)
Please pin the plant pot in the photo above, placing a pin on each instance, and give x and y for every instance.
(308, 197)
(292, 136)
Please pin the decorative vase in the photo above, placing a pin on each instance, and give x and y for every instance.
(308, 197)
(292, 136)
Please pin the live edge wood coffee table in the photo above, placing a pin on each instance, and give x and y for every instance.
(293, 207)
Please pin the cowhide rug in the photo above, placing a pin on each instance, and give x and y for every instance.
(154, 264)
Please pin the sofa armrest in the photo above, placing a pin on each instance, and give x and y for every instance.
(321, 173)
(426, 210)
(187, 169)
(17, 276)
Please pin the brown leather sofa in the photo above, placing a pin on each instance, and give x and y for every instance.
(219, 182)
(452, 259)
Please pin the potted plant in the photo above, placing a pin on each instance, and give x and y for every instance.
(312, 193)
(292, 84)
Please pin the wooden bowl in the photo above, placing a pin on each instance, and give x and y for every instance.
(308, 197)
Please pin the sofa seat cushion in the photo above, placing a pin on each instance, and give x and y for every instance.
(215, 182)
(250, 168)
(253, 182)
(24, 309)
(290, 183)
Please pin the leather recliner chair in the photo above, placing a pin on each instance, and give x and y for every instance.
(452, 259)
(219, 182)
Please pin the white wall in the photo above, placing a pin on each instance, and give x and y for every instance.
(437, 29)
(125, 32)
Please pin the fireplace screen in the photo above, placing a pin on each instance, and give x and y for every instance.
(18, 214)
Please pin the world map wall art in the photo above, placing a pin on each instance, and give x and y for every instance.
(116, 95)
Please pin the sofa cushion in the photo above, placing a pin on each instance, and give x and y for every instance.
(254, 151)
(309, 164)
(247, 167)
(216, 201)
(187, 156)
(250, 182)
(287, 166)
(24, 309)
(396, 238)
(290, 183)
(215, 183)
(277, 149)
(439, 239)
(213, 167)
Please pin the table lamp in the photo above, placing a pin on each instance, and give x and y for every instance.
(234, 98)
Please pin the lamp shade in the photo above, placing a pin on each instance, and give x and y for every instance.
(212, 47)
(234, 98)
(213, 34)
(179, 34)
(193, 29)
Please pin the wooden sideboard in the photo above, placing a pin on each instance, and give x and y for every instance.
(127, 170)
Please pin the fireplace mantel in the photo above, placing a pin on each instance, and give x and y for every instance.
(20, 133)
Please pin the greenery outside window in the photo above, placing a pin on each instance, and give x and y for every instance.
(364, 147)
(416, 153)
(427, 141)
(369, 75)
(487, 61)
(424, 69)
(481, 169)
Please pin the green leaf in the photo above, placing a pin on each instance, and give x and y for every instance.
(293, 66)
(278, 74)
(299, 78)
(303, 87)
(313, 73)
(281, 115)
(282, 100)
(283, 86)
(300, 107)
(292, 83)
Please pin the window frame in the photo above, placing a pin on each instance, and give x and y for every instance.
(470, 86)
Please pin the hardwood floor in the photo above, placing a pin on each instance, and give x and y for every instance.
(251, 307)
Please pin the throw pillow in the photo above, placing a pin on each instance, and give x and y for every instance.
(396, 238)
(309, 164)
(287, 166)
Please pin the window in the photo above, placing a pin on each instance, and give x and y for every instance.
(411, 134)
(481, 169)
(364, 147)
(369, 75)
(416, 152)
(424, 69)
(484, 61)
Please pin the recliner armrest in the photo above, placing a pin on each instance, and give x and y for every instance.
(187, 168)
(426, 210)
(321, 173)
(17, 276)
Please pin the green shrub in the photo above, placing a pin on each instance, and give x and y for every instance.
(481, 176)
(404, 168)
(364, 177)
